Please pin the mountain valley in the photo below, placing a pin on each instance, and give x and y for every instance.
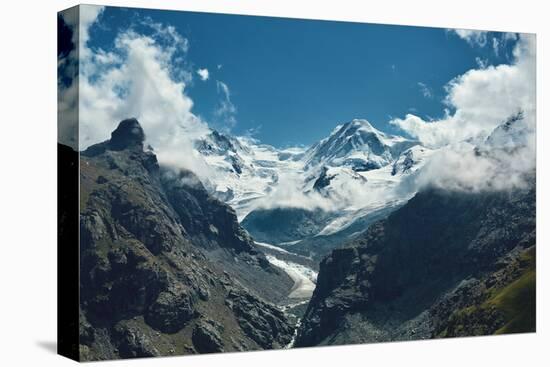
(311, 247)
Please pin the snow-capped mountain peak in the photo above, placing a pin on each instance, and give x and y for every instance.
(355, 158)
(362, 124)
(358, 145)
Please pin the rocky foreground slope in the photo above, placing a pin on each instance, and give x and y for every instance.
(445, 264)
(165, 268)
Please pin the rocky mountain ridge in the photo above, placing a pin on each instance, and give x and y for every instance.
(166, 268)
(411, 275)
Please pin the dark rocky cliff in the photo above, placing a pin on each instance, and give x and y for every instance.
(445, 264)
(165, 268)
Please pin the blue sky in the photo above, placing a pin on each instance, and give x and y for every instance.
(292, 81)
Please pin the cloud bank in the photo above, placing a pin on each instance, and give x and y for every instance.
(143, 76)
(481, 99)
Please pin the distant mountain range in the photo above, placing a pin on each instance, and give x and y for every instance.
(342, 182)
(313, 199)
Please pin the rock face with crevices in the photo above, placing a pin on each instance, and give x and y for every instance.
(159, 256)
(260, 321)
(206, 337)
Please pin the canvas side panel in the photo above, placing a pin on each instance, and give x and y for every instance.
(67, 184)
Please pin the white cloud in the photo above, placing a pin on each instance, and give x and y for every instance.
(253, 131)
(174, 40)
(473, 37)
(481, 38)
(289, 193)
(226, 110)
(140, 77)
(496, 46)
(67, 96)
(499, 43)
(481, 99)
(506, 38)
(459, 167)
(481, 63)
(203, 74)
(88, 16)
(425, 90)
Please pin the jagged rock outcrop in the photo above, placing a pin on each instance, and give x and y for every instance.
(159, 256)
(206, 337)
(172, 309)
(409, 276)
(132, 341)
(260, 321)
